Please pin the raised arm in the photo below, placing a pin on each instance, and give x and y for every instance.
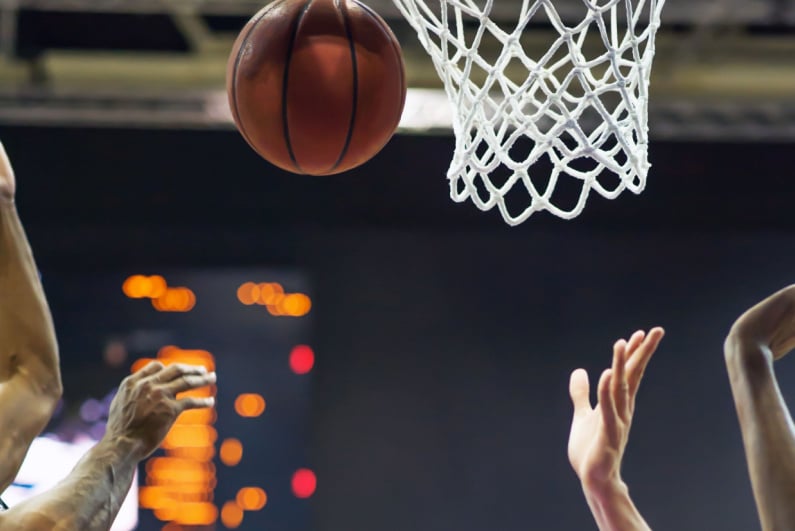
(760, 336)
(141, 414)
(599, 434)
(30, 381)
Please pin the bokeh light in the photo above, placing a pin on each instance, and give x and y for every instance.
(270, 293)
(231, 452)
(140, 286)
(251, 498)
(231, 515)
(175, 300)
(295, 305)
(249, 405)
(304, 483)
(302, 359)
(248, 293)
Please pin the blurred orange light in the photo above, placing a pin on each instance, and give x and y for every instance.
(231, 452)
(251, 498)
(140, 286)
(198, 453)
(180, 485)
(132, 287)
(168, 465)
(248, 293)
(304, 483)
(157, 286)
(165, 513)
(188, 436)
(231, 515)
(198, 416)
(153, 497)
(175, 300)
(197, 513)
(302, 359)
(296, 304)
(270, 293)
(171, 354)
(249, 405)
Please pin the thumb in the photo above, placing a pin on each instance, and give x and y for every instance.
(579, 390)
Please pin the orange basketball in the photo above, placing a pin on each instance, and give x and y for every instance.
(316, 86)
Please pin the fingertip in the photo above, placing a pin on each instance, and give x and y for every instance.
(578, 382)
(619, 346)
(603, 389)
(578, 374)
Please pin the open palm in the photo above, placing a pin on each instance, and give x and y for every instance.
(599, 434)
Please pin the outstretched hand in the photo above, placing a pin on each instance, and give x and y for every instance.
(146, 405)
(8, 187)
(599, 434)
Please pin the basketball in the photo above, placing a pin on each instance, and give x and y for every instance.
(316, 87)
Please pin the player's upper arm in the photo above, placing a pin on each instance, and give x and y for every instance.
(25, 409)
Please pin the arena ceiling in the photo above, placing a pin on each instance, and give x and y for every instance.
(724, 69)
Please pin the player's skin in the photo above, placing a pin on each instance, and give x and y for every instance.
(141, 414)
(762, 335)
(144, 409)
(30, 379)
(599, 434)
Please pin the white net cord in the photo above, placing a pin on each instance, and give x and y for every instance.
(571, 114)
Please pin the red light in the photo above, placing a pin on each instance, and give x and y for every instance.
(302, 359)
(304, 483)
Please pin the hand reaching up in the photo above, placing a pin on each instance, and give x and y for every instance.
(599, 434)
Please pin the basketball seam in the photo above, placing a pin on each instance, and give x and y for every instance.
(398, 53)
(285, 82)
(354, 65)
(235, 110)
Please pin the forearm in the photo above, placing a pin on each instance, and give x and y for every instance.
(613, 509)
(87, 500)
(28, 346)
(767, 430)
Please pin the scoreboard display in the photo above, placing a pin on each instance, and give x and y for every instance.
(240, 465)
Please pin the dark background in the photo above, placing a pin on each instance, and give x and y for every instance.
(250, 349)
(444, 338)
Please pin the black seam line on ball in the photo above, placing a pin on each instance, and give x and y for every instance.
(395, 48)
(284, 84)
(243, 44)
(349, 34)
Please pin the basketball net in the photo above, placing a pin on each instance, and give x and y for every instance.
(578, 112)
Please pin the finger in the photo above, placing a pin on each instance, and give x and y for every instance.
(186, 382)
(152, 368)
(579, 390)
(607, 406)
(636, 365)
(619, 388)
(191, 402)
(636, 339)
(177, 370)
